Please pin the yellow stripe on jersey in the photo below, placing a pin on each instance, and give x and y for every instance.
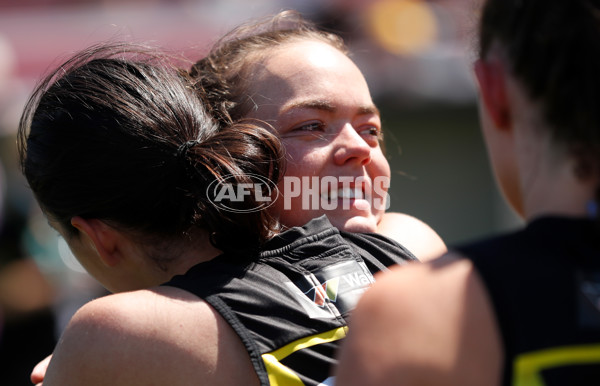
(281, 375)
(528, 367)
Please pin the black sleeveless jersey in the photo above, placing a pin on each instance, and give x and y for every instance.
(544, 283)
(290, 305)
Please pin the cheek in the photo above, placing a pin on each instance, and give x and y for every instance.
(288, 206)
(290, 186)
(303, 160)
(379, 166)
(379, 173)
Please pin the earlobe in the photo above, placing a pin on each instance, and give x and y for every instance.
(104, 238)
(491, 78)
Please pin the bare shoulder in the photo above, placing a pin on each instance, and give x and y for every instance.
(414, 234)
(149, 337)
(423, 324)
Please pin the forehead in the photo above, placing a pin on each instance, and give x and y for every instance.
(305, 52)
(300, 71)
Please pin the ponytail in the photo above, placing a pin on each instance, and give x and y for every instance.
(238, 155)
(117, 134)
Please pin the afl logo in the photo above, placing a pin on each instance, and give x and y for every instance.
(229, 194)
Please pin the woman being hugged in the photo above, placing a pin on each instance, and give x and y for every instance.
(299, 79)
(521, 308)
(121, 157)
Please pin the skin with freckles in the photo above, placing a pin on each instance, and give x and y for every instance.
(300, 79)
(319, 102)
(328, 125)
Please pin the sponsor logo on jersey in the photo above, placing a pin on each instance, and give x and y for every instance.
(334, 290)
(327, 290)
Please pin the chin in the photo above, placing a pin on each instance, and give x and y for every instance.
(355, 224)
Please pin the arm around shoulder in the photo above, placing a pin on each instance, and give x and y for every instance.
(162, 337)
(412, 233)
(423, 324)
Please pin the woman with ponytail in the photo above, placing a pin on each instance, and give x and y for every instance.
(124, 161)
(521, 308)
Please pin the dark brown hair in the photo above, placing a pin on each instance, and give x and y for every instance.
(223, 77)
(117, 134)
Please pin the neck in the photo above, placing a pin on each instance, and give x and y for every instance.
(184, 256)
(554, 189)
(547, 181)
(197, 251)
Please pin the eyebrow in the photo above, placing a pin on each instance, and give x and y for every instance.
(366, 110)
(325, 105)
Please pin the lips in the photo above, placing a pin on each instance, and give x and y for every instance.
(343, 193)
(355, 190)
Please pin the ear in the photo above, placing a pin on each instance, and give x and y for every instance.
(491, 78)
(104, 238)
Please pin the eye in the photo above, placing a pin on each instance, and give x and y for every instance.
(311, 127)
(372, 131)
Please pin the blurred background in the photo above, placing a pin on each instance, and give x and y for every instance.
(415, 54)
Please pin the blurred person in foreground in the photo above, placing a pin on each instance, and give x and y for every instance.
(521, 308)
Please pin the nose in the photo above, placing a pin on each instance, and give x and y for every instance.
(350, 147)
